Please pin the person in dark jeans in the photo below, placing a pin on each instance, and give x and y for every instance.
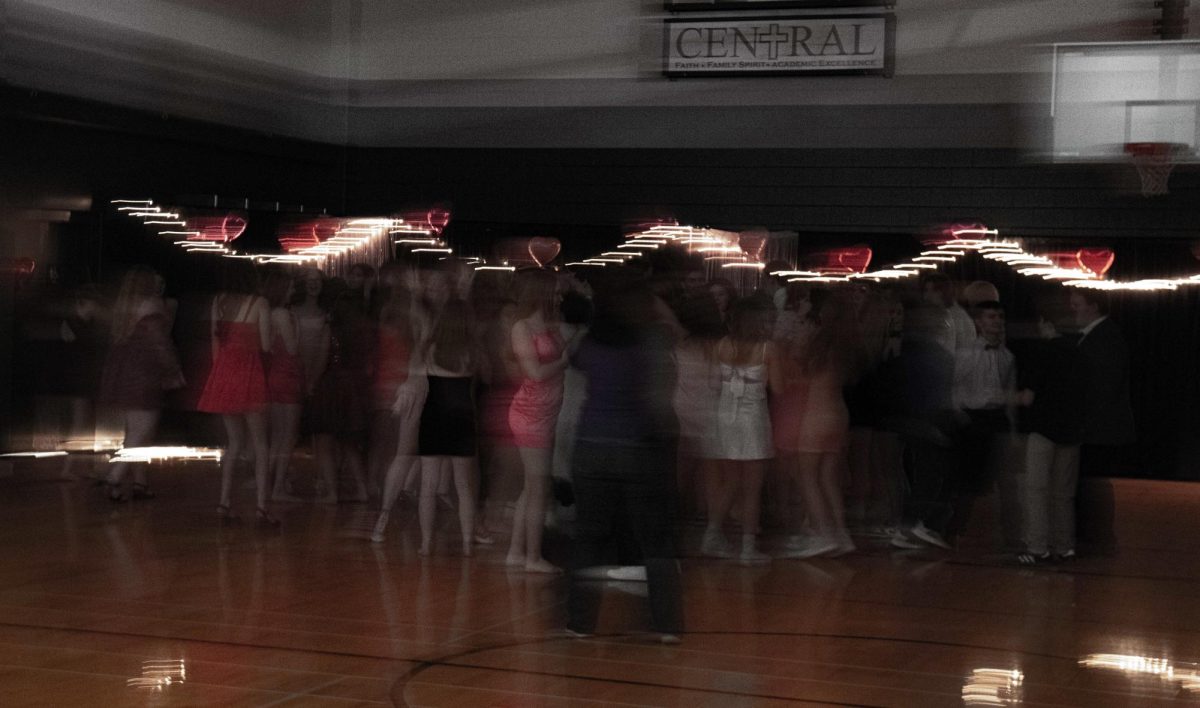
(624, 462)
(921, 382)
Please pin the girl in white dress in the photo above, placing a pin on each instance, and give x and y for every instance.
(743, 429)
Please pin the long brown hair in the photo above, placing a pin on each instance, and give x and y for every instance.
(832, 344)
(452, 340)
(536, 289)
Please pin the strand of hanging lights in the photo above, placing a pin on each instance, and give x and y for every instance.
(332, 245)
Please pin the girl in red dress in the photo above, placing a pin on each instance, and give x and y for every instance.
(285, 380)
(237, 384)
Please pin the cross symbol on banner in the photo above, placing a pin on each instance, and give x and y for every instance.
(774, 38)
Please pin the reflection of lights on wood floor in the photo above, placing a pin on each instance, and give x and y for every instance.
(1187, 675)
(157, 675)
(36, 455)
(993, 687)
(156, 454)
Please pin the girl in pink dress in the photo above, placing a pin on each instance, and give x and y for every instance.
(542, 355)
(237, 383)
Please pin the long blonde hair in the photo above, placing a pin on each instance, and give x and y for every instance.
(139, 284)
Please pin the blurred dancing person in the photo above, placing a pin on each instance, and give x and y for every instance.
(624, 458)
(285, 380)
(1055, 375)
(237, 384)
(393, 337)
(697, 388)
(340, 403)
(1108, 425)
(820, 368)
(141, 366)
(414, 320)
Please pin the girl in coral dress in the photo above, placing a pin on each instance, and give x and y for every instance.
(816, 370)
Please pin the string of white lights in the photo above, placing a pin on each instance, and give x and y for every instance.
(365, 240)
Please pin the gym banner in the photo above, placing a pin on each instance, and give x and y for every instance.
(779, 46)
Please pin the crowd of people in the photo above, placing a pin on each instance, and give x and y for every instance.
(790, 420)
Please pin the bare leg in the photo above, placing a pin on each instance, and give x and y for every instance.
(285, 432)
(751, 474)
(327, 463)
(381, 451)
(256, 423)
(719, 487)
(465, 483)
(401, 468)
(352, 459)
(516, 545)
(807, 473)
(858, 462)
(829, 469)
(236, 439)
(431, 477)
(140, 427)
(531, 517)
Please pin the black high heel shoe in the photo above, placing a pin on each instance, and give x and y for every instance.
(141, 491)
(113, 491)
(264, 517)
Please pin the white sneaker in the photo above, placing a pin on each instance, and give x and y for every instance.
(899, 539)
(796, 542)
(844, 546)
(635, 573)
(715, 546)
(752, 556)
(928, 535)
(815, 547)
(380, 527)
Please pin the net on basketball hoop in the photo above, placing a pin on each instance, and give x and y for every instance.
(1154, 162)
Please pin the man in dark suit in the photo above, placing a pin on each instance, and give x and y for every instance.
(1108, 427)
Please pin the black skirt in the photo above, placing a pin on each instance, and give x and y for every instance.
(448, 419)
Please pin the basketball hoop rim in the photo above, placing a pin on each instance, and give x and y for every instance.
(1156, 150)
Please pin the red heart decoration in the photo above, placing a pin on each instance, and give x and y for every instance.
(753, 242)
(1096, 260)
(1064, 259)
(544, 249)
(437, 218)
(219, 229)
(324, 229)
(854, 258)
(232, 226)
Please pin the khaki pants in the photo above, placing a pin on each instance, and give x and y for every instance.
(1048, 494)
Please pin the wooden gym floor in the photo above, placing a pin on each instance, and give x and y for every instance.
(100, 603)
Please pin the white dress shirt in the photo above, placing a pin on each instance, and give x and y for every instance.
(985, 375)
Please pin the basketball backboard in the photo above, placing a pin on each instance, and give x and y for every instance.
(1106, 96)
